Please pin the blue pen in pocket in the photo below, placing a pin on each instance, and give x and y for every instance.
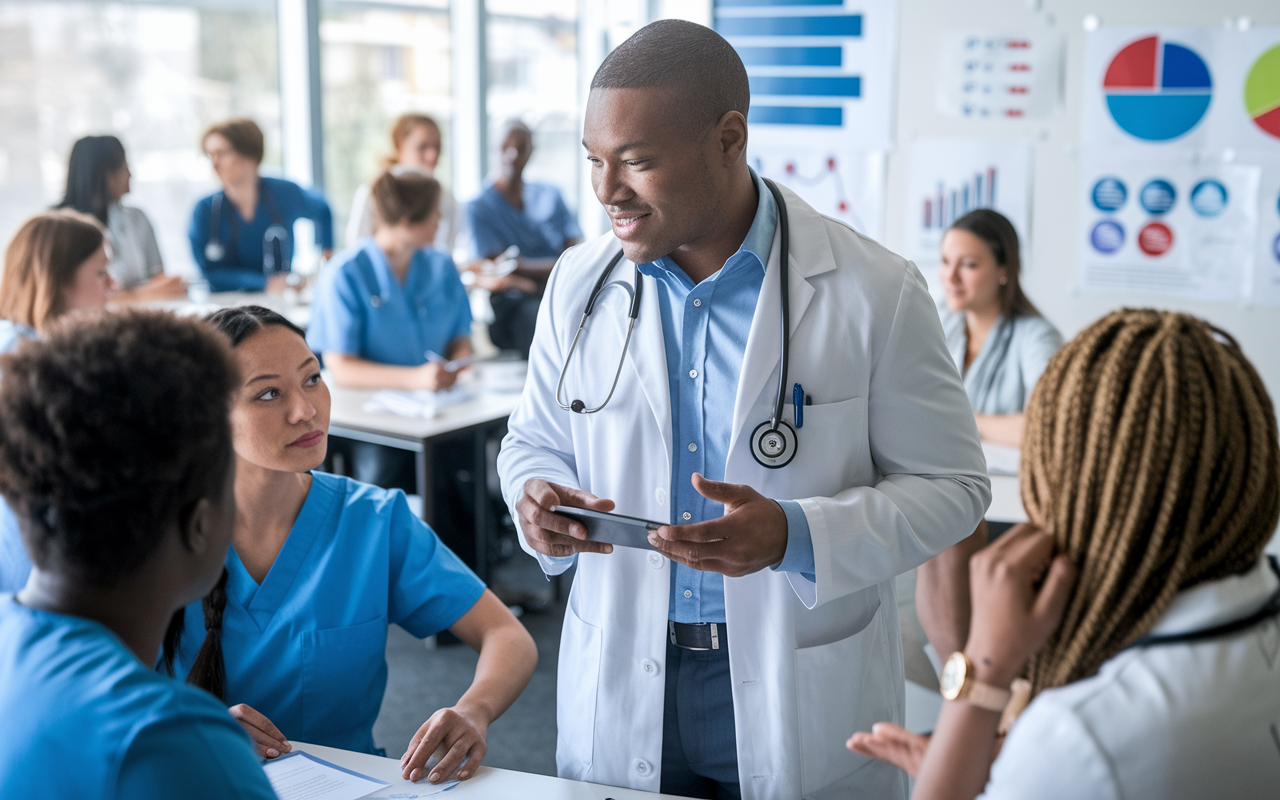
(797, 400)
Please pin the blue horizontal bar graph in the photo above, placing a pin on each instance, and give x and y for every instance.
(795, 115)
(750, 3)
(791, 56)
(835, 25)
(843, 86)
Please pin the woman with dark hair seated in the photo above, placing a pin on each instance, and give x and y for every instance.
(1138, 604)
(97, 180)
(116, 456)
(294, 636)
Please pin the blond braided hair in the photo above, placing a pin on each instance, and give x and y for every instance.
(1151, 455)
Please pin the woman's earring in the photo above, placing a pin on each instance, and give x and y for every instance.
(1004, 281)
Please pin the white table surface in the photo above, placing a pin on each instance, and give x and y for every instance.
(348, 411)
(297, 313)
(1006, 500)
(488, 783)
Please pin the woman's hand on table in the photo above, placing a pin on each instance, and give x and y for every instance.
(460, 736)
(888, 742)
(433, 377)
(267, 738)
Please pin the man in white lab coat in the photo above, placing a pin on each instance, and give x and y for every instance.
(736, 656)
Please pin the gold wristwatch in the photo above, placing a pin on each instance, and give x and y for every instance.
(958, 683)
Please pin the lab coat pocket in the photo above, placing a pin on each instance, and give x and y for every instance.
(841, 687)
(829, 451)
(576, 683)
(342, 672)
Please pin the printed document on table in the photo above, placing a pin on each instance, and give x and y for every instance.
(300, 776)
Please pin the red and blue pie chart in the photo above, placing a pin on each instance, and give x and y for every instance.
(1157, 90)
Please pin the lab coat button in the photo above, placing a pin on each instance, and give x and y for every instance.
(649, 666)
(660, 495)
(642, 767)
(655, 561)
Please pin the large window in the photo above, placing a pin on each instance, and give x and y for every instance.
(379, 60)
(533, 75)
(154, 75)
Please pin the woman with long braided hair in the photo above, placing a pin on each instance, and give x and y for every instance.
(1138, 602)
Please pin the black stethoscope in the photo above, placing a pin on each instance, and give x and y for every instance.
(773, 442)
(275, 239)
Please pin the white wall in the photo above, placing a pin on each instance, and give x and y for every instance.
(1050, 279)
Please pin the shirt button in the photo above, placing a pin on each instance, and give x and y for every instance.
(693, 447)
(697, 303)
(650, 667)
(693, 373)
(642, 767)
(688, 594)
(686, 516)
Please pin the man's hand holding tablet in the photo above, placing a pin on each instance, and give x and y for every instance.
(554, 534)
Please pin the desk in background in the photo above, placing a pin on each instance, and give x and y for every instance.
(296, 312)
(488, 782)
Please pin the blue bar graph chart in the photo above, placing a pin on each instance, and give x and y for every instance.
(941, 208)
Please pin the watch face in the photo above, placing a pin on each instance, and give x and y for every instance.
(953, 674)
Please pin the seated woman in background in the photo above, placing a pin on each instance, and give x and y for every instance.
(415, 143)
(1151, 472)
(242, 235)
(55, 264)
(97, 180)
(116, 455)
(531, 216)
(294, 636)
(998, 339)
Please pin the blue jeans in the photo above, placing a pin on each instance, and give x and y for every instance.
(699, 747)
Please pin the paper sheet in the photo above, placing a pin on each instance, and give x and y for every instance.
(1001, 460)
(301, 776)
(412, 791)
(419, 404)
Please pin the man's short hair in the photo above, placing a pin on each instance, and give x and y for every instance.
(690, 58)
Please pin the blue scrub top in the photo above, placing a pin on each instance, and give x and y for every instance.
(539, 230)
(360, 309)
(84, 718)
(307, 648)
(281, 203)
(14, 563)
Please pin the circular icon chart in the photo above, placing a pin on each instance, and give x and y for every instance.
(1158, 196)
(1262, 92)
(1107, 236)
(1155, 239)
(1109, 194)
(1157, 90)
(1275, 247)
(1209, 198)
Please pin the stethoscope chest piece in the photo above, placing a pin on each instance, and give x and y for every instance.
(214, 251)
(773, 447)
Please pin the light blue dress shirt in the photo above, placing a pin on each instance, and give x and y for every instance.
(14, 563)
(540, 229)
(362, 310)
(84, 718)
(307, 647)
(704, 329)
(1012, 359)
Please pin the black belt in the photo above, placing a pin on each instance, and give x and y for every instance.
(698, 635)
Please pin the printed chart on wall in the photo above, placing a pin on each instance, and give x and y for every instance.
(822, 87)
(1167, 227)
(986, 75)
(1263, 285)
(950, 177)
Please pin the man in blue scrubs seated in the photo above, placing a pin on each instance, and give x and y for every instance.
(242, 235)
(531, 216)
(319, 566)
(117, 458)
(390, 311)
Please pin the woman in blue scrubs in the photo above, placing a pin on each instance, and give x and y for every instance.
(294, 638)
(120, 468)
(390, 310)
(242, 236)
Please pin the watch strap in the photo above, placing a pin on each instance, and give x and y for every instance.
(984, 695)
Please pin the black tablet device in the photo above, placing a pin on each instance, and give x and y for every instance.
(616, 529)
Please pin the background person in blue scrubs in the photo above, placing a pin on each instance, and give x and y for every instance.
(245, 231)
(533, 217)
(125, 493)
(320, 565)
(55, 264)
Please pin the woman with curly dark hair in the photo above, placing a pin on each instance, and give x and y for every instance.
(116, 457)
(294, 636)
(55, 264)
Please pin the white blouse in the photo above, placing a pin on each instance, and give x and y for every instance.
(135, 256)
(1184, 721)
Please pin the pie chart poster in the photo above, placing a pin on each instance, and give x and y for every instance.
(1151, 87)
(1248, 118)
(1167, 226)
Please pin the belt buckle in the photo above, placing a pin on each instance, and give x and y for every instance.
(714, 629)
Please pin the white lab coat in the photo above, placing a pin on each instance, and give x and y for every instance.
(889, 472)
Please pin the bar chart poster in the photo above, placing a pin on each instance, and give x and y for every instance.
(821, 71)
(951, 177)
(1167, 226)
